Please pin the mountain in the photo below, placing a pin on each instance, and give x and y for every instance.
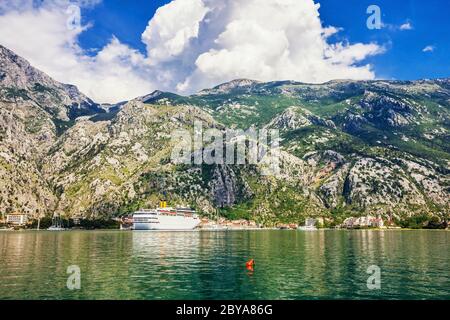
(34, 110)
(20, 82)
(347, 148)
(364, 146)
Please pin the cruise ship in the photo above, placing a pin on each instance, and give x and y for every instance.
(165, 218)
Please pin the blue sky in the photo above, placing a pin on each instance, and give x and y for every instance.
(123, 49)
(403, 59)
(126, 19)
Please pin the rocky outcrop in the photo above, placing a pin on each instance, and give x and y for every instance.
(297, 117)
(228, 87)
(23, 84)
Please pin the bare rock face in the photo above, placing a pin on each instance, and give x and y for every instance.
(223, 186)
(33, 108)
(290, 119)
(22, 83)
(227, 186)
(297, 117)
(354, 122)
(428, 179)
(333, 188)
(238, 84)
(386, 110)
(376, 181)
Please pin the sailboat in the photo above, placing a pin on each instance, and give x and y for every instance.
(217, 226)
(57, 224)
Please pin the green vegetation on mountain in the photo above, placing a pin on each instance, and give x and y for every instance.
(347, 148)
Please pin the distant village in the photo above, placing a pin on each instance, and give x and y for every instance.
(23, 221)
(349, 223)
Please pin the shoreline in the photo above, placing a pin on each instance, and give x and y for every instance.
(229, 229)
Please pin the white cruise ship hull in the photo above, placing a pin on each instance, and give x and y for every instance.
(165, 222)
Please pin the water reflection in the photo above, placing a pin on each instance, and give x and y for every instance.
(212, 265)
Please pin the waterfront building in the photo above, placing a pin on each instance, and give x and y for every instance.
(17, 219)
(367, 221)
(77, 220)
(310, 222)
(349, 222)
(377, 222)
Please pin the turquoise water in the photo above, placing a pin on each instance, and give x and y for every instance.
(211, 265)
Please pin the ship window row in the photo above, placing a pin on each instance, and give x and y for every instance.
(154, 222)
(140, 220)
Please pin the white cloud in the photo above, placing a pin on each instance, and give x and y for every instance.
(406, 26)
(329, 31)
(428, 49)
(395, 27)
(24, 5)
(267, 40)
(191, 45)
(171, 29)
(40, 34)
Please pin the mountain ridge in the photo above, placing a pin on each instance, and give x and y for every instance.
(347, 148)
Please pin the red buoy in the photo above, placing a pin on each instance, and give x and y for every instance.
(250, 264)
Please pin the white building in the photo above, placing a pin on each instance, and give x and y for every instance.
(363, 221)
(310, 222)
(349, 222)
(377, 223)
(367, 221)
(17, 219)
